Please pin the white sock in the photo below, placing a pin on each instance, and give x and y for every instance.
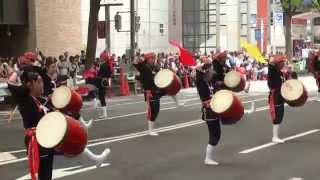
(151, 128)
(275, 131)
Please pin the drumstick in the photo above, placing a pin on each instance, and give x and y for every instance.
(12, 114)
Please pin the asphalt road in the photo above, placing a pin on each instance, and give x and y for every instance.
(178, 152)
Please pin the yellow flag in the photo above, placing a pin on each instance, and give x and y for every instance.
(253, 51)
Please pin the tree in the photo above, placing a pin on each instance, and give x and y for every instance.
(92, 32)
(290, 8)
(316, 4)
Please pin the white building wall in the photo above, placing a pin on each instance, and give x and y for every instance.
(152, 13)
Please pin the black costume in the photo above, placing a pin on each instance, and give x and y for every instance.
(207, 86)
(32, 110)
(152, 93)
(276, 102)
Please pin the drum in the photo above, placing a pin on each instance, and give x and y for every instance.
(169, 81)
(66, 100)
(228, 106)
(234, 81)
(294, 93)
(65, 134)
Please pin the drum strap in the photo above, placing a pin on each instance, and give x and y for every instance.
(206, 103)
(148, 98)
(33, 153)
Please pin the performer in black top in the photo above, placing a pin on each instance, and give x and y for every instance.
(145, 65)
(209, 80)
(49, 77)
(276, 102)
(28, 95)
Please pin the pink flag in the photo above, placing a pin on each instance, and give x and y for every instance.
(185, 56)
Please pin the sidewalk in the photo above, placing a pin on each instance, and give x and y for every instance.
(262, 86)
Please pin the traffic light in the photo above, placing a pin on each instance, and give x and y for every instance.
(117, 22)
(161, 28)
(137, 23)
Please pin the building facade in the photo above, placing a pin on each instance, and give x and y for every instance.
(52, 26)
(211, 24)
(153, 15)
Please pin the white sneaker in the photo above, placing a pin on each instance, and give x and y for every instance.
(210, 162)
(102, 157)
(152, 133)
(277, 140)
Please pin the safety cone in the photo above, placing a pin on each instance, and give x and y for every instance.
(124, 86)
(186, 81)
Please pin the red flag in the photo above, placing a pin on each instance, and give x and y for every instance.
(186, 57)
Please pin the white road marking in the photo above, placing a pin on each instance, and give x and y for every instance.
(112, 139)
(296, 178)
(63, 172)
(6, 156)
(272, 143)
(163, 109)
(125, 137)
(144, 133)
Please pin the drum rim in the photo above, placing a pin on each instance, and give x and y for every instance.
(157, 78)
(68, 97)
(285, 96)
(228, 75)
(60, 138)
(213, 101)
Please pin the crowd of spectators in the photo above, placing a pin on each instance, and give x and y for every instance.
(69, 66)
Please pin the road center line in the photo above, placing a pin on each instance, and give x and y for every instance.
(273, 144)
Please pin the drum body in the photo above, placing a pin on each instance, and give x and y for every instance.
(66, 100)
(234, 81)
(169, 81)
(228, 106)
(294, 93)
(63, 133)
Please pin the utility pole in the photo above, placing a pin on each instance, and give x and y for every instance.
(107, 19)
(262, 35)
(217, 24)
(132, 31)
(274, 27)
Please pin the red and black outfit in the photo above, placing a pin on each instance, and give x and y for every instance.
(208, 86)
(276, 102)
(152, 93)
(316, 71)
(32, 111)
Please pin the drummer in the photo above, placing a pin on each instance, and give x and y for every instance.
(27, 92)
(101, 79)
(145, 65)
(209, 80)
(276, 102)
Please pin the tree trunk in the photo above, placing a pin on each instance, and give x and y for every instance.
(287, 24)
(92, 32)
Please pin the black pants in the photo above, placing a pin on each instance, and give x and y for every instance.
(213, 123)
(153, 104)
(97, 82)
(214, 132)
(276, 106)
(46, 161)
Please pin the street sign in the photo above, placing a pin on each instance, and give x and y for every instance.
(278, 18)
(257, 34)
(110, 2)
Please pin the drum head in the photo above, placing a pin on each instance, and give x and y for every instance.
(232, 79)
(292, 90)
(221, 101)
(163, 78)
(51, 129)
(61, 97)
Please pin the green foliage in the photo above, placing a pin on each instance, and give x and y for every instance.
(291, 5)
(316, 4)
